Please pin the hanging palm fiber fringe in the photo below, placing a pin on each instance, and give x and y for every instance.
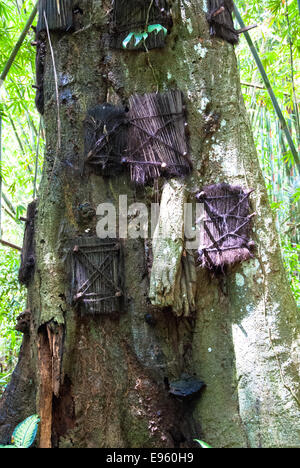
(96, 275)
(40, 71)
(59, 14)
(135, 16)
(220, 20)
(226, 227)
(26, 270)
(157, 141)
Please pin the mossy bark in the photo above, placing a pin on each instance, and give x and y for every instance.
(242, 342)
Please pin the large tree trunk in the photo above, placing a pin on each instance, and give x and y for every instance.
(111, 388)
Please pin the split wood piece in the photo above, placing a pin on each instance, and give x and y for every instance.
(96, 270)
(106, 138)
(26, 270)
(173, 276)
(226, 226)
(186, 286)
(135, 16)
(56, 339)
(50, 353)
(157, 139)
(220, 20)
(59, 14)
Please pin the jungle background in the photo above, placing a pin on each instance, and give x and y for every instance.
(277, 40)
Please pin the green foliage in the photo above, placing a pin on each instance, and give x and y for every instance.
(25, 433)
(202, 444)
(142, 36)
(277, 41)
(134, 35)
(20, 143)
(20, 120)
(12, 302)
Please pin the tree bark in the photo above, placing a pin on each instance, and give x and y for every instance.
(242, 339)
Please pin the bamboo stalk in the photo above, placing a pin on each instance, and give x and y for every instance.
(8, 202)
(270, 91)
(28, 116)
(9, 244)
(9, 213)
(258, 86)
(16, 134)
(18, 46)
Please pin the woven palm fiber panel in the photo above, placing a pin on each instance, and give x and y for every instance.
(40, 69)
(135, 16)
(96, 275)
(226, 228)
(26, 270)
(59, 14)
(106, 135)
(220, 20)
(157, 138)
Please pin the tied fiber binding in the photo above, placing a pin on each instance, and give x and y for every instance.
(96, 275)
(226, 226)
(106, 134)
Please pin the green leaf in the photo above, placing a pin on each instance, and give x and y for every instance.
(138, 38)
(127, 40)
(157, 28)
(202, 444)
(25, 433)
(8, 446)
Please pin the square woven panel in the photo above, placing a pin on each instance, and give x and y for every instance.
(158, 143)
(96, 274)
(106, 139)
(226, 228)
